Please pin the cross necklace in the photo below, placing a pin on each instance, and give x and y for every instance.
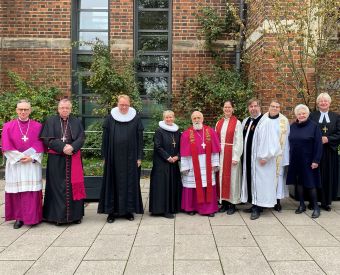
(173, 141)
(24, 136)
(202, 138)
(63, 130)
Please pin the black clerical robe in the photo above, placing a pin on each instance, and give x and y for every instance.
(165, 179)
(329, 162)
(122, 146)
(59, 205)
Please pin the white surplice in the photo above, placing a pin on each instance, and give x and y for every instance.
(188, 180)
(282, 129)
(235, 178)
(263, 177)
(22, 177)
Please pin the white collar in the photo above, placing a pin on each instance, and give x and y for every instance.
(130, 115)
(172, 128)
(324, 115)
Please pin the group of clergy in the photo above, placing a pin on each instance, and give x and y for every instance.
(249, 162)
(196, 171)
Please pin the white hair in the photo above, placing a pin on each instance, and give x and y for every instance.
(325, 96)
(168, 112)
(299, 107)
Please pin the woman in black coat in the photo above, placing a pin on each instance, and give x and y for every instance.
(305, 155)
(165, 180)
(329, 123)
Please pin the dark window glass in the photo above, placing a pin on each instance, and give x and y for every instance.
(94, 4)
(155, 4)
(153, 64)
(94, 20)
(153, 20)
(153, 42)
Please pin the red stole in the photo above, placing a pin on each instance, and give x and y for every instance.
(228, 154)
(77, 176)
(197, 170)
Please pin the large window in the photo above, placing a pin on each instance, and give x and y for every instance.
(90, 22)
(153, 53)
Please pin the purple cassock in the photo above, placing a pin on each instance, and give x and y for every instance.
(23, 181)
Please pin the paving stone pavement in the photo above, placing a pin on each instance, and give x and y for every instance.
(277, 243)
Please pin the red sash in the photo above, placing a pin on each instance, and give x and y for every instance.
(77, 176)
(197, 170)
(228, 154)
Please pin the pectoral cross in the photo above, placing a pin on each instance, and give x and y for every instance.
(325, 129)
(203, 145)
(63, 139)
(24, 138)
(174, 144)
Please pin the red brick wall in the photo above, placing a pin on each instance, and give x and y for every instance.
(41, 31)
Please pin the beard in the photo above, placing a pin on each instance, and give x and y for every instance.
(197, 126)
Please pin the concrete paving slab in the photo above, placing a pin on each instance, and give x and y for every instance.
(15, 267)
(312, 236)
(8, 235)
(110, 247)
(233, 236)
(120, 227)
(183, 267)
(281, 248)
(334, 230)
(150, 260)
(2, 248)
(185, 226)
(224, 219)
(195, 247)
(147, 219)
(267, 217)
(296, 268)
(27, 247)
(327, 258)
(45, 228)
(160, 235)
(59, 260)
(101, 268)
(243, 260)
(329, 219)
(288, 217)
(267, 230)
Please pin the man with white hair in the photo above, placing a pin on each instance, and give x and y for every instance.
(199, 150)
(329, 123)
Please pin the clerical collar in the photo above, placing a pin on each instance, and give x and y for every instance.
(324, 115)
(23, 121)
(130, 115)
(171, 128)
(273, 117)
(254, 118)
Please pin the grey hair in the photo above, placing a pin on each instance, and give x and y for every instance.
(64, 100)
(301, 106)
(168, 112)
(325, 96)
(24, 101)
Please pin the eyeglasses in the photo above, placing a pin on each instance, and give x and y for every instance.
(23, 110)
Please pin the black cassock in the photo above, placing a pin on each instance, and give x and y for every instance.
(329, 162)
(165, 180)
(121, 148)
(59, 205)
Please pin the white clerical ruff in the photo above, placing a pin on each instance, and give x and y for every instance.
(117, 115)
(170, 128)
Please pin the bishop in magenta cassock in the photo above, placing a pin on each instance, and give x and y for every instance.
(23, 181)
(199, 151)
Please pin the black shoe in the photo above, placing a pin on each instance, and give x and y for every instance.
(77, 222)
(129, 216)
(18, 224)
(326, 207)
(278, 207)
(222, 209)
(211, 215)
(300, 209)
(169, 215)
(310, 206)
(231, 210)
(191, 213)
(316, 213)
(255, 214)
(110, 218)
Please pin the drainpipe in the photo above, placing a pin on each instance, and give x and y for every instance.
(239, 46)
